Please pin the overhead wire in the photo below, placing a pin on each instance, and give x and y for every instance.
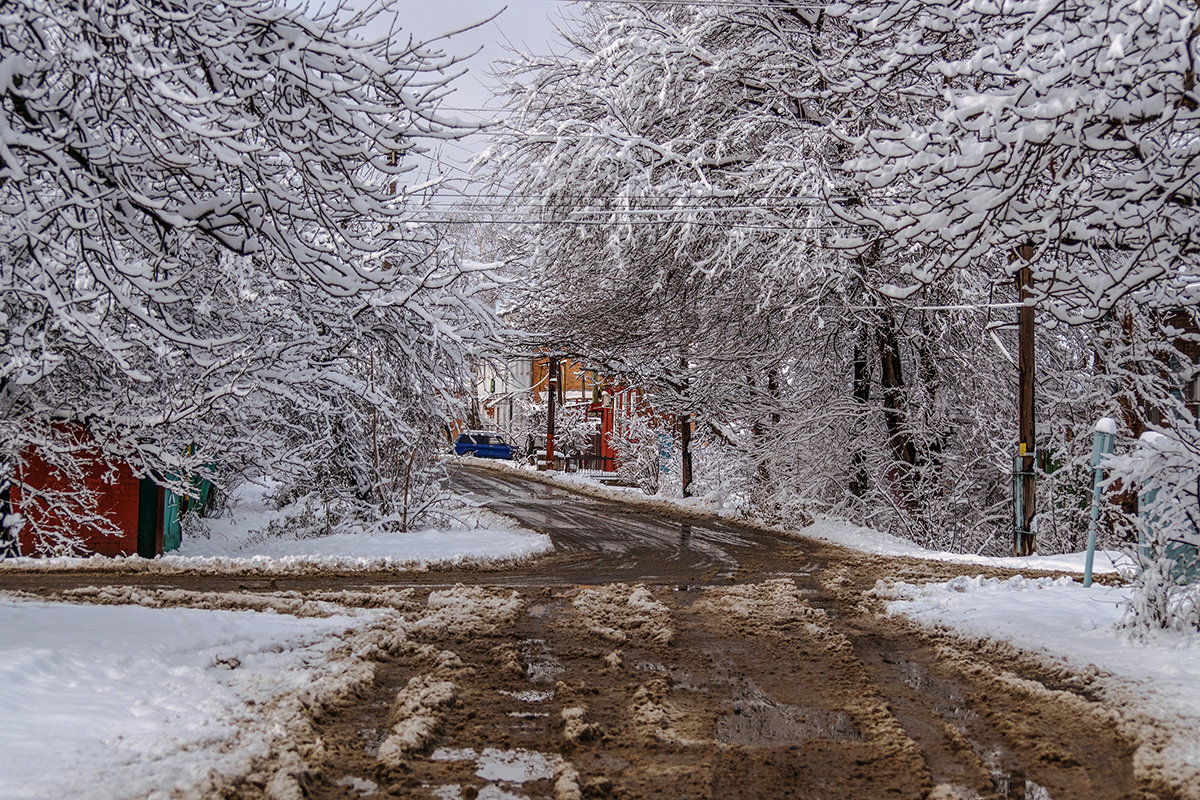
(658, 200)
(660, 211)
(450, 220)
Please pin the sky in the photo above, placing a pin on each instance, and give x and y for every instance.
(524, 25)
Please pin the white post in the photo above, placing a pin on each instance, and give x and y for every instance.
(1102, 445)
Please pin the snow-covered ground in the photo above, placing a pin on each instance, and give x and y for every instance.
(103, 701)
(199, 682)
(1146, 677)
(866, 540)
(241, 539)
(112, 702)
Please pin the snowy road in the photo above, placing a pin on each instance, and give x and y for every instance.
(655, 658)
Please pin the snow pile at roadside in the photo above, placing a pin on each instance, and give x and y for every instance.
(1036, 610)
(1155, 677)
(866, 540)
(242, 540)
(124, 701)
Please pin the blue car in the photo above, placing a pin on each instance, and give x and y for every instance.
(483, 444)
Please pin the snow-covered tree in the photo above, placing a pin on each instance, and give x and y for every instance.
(639, 150)
(686, 164)
(206, 236)
(637, 440)
(1070, 130)
(1064, 142)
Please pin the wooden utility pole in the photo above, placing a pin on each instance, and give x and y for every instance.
(1025, 490)
(551, 393)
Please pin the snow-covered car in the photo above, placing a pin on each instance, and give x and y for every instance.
(483, 444)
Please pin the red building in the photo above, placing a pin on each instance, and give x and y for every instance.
(579, 387)
(131, 507)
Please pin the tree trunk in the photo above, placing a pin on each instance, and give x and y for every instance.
(685, 444)
(861, 389)
(474, 418)
(764, 425)
(891, 378)
(932, 383)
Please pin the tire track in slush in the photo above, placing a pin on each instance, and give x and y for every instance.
(747, 691)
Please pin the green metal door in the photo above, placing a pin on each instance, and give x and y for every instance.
(147, 540)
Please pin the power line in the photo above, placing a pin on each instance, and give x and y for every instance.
(619, 205)
(449, 220)
(955, 307)
(661, 211)
(661, 200)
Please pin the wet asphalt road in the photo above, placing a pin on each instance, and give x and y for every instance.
(604, 541)
(595, 541)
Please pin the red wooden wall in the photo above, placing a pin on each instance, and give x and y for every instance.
(117, 490)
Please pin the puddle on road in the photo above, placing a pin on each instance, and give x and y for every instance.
(454, 791)
(758, 720)
(506, 770)
(541, 665)
(372, 740)
(514, 766)
(530, 696)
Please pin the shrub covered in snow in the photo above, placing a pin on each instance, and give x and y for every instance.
(1165, 469)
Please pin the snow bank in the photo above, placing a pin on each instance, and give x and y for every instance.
(1037, 611)
(1150, 678)
(242, 540)
(866, 540)
(105, 702)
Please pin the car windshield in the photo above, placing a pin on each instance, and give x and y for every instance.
(480, 438)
